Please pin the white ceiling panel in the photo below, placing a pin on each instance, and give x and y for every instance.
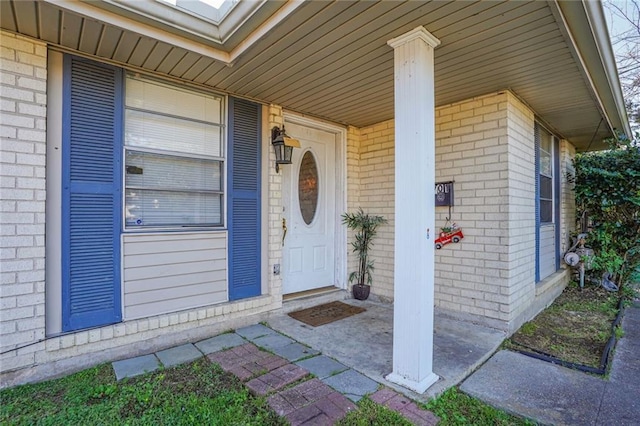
(330, 58)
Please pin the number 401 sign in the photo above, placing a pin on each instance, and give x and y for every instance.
(444, 193)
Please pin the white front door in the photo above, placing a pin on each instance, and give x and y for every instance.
(309, 186)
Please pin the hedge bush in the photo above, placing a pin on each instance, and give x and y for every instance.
(607, 191)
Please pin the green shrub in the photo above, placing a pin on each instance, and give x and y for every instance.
(607, 190)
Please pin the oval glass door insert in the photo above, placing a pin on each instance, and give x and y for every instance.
(308, 188)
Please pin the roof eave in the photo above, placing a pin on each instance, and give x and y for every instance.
(587, 28)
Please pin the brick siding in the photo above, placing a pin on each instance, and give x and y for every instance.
(485, 144)
(23, 94)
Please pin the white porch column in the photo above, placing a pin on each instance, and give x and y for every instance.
(414, 210)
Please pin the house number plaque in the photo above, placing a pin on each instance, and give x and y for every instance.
(444, 193)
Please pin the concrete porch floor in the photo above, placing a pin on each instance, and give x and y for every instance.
(364, 342)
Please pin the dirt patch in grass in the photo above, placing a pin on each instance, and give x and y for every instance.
(575, 328)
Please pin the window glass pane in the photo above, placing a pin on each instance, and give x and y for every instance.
(546, 188)
(308, 187)
(166, 208)
(150, 130)
(546, 211)
(545, 140)
(154, 96)
(154, 171)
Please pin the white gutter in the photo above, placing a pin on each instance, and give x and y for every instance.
(585, 28)
(598, 22)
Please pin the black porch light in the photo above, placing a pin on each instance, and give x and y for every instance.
(283, 146)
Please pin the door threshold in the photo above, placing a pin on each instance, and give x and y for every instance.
(307, 293)
(306, 299)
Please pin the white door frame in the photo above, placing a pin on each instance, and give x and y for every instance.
(340, 244)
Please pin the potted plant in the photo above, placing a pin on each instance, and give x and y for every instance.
(365, 226)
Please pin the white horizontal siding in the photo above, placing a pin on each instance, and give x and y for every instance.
(547, 250)
(171, 272)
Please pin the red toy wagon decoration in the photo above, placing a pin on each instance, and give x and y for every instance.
(448, 235)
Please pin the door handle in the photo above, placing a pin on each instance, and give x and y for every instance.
(284, 230)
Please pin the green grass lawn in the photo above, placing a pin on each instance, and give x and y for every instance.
(194, 394)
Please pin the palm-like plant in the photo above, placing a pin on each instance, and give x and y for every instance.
(366, 227)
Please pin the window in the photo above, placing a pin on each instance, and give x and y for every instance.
(173, 155)
(546, 176)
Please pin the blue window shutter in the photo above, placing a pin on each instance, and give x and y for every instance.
(536, 136)
(556, 196)
(244, 198)
(91, 204)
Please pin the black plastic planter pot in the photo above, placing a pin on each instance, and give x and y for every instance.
(361, 292)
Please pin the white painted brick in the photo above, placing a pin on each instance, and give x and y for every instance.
(119, 330)
(32, 84)
(15, 362)
(94, 336)
(52, 344)
(30, 300)
(31, 109)
(81, 338)
(32, 135)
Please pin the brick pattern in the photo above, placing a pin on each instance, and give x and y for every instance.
(274, 192)
(353, 186)
(486, 145)
(277, 379)
(376, 191)
(521, 207)
(405, 407)
(471, 149)
(300, 399)
(23, 111)
(311, 402)
(247, 361)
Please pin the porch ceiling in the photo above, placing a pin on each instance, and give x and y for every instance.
(331, 60)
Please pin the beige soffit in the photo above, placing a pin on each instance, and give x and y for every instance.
(165, 23)
(588, 37)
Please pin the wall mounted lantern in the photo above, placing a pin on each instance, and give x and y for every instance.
(283, 146)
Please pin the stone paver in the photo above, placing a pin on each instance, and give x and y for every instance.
(352, 384)
(247, 361)
(322, 366)
(254, 331)
(135, 366)
(405, 407)
(272, 341)
(311, 402)
(178, 355)
(295, 351)
(221, 342)
(536, 389)
(276, 379)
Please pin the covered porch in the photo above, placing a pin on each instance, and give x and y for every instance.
(364, 342)
(359, 65)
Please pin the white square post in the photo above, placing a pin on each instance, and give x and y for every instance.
(414, 210)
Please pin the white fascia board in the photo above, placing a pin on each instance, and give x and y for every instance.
(111, 18)
(597, 19)
(147, 30)
(585, 28)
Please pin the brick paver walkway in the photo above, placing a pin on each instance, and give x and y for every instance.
(405, 407)
(311, 402)
(247, 361)
(316, 390)
(304, 402)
